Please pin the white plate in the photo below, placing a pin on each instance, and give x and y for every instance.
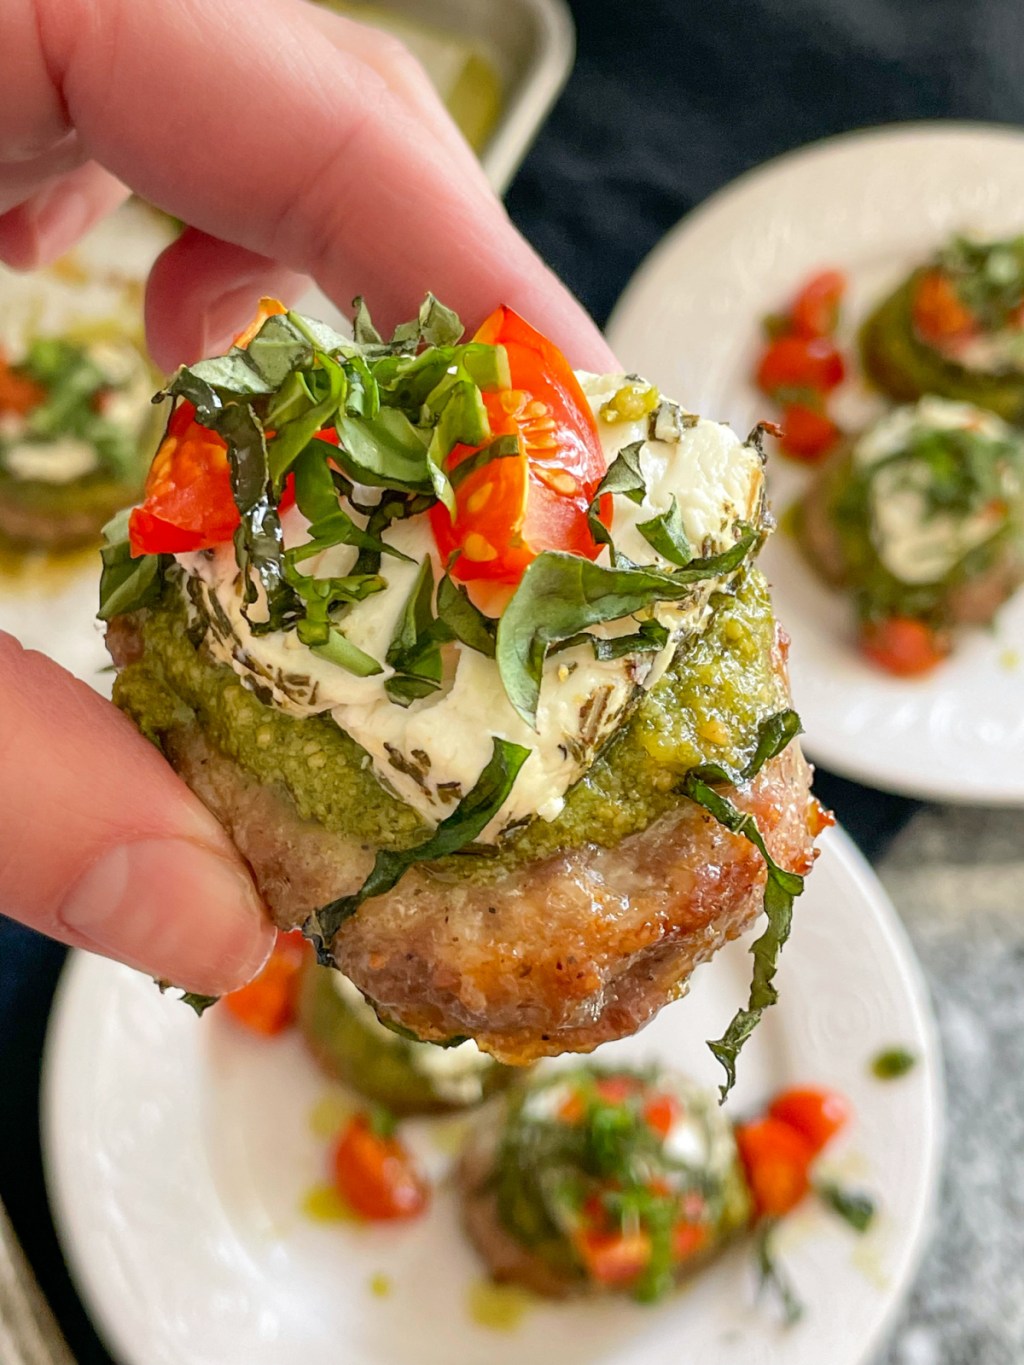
(874, 204)
(178, 1152)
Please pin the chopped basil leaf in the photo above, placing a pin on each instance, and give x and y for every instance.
(668, 421)
(462, 619)
(467, 821)
(666, 535)
(126, 583)
(893, 1063)
(780, 890)
(857, 1208)
(317, 500)
(200, 1003)
(385, 451)
(363, 330)
(773, 1278)
(292, 437)
(415, 652)
(339, 650)
(561, 595)
(624, 475)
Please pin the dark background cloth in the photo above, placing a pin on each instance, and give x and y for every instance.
(668, 102)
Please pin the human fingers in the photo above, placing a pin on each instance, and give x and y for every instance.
(52, 219)
(242, 120)
(102, 847)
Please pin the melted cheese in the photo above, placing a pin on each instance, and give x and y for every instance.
(915, 543)
(432, 752)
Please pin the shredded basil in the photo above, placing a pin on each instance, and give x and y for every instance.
(199, 1003)
(415, 650)
(462, 620)
(126, 584)
(773, 1277)
(893, 1063)
(465, 824)
(853, 1206)
(780, 890)
(561, 595)
(666, 535)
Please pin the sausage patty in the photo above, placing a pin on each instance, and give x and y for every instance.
(560, 954)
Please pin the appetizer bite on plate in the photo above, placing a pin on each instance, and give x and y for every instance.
(388, 1068)
(76, 425)
(921, 518)
(599, 1181)
(954, 327)
(470, 656)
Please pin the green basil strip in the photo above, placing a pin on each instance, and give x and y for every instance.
(341, 651)
(780, 890)
(649, 639)
(853, 1206)
(293, 436)
(463, 620)
(385, 451)
(317, 499)
(414, 652)
(624, 476)
(666, 535)
(772, 1276)
(126, 583)
(465, 824)
(561, 595)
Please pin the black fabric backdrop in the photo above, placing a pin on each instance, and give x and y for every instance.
(668, 102)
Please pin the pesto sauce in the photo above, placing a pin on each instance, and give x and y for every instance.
(707, 708)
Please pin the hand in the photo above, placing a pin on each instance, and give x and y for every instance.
(297, 143)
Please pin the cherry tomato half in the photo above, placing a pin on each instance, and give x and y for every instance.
(376, 1175)
(777, 1160)
(613, 1258)
(902, 645)
(808, 433)
(267, 1004)
(939, 316)
(815, 310)
(818, 1115)
(800, 362)
(511, 510)
(18, 393)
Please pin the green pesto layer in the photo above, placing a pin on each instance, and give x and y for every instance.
(707, 708)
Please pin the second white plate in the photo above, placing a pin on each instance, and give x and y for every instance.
(178, 1152)
(873, 204)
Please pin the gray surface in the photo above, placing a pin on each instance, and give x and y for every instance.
(957, 878)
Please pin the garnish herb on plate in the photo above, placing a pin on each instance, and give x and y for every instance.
(893, 1063)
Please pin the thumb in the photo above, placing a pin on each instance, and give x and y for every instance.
(102, 847)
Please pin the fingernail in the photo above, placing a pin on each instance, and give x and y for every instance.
(174, 909)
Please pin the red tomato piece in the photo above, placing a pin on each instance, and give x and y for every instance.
(514, 508)
(268, 308)
(688, 1239)
(188, 503)
(815, 310)
(267, 1004)
(613, 1258)
(808, 433)
(18, 393)
(376, 1175)
(818, 1115)
(777, 1162)
(800, 362)
(939, 315)
(902, 645)
(660, 1113)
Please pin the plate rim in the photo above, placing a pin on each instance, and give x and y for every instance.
(919, 1220)
(826, 747)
